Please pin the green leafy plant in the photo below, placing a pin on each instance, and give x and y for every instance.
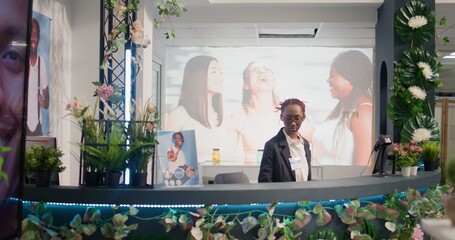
(39, 224)
(3, 175)
(449, 171)
(399, 214)
(412, 206)
(416, 72)
(143, 137)
(167, 9)
(111, 149)
(430, 151)
(39, 158)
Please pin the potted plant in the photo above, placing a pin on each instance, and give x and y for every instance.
(407, 155)
(111, 151)
(42, 161)
(143, 139)
(430, 155)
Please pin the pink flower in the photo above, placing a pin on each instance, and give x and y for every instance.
(105, 91)
(418, 233)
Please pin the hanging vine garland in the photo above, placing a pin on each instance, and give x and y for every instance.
(415, 23)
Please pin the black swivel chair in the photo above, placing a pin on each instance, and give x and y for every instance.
(235, 177)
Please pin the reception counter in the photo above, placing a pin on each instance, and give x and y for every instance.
(323, 190)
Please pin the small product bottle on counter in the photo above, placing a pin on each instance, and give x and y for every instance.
(216, 156)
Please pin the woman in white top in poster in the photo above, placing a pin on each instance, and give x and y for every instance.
(258, 120)
(345, 137)
(200, 106)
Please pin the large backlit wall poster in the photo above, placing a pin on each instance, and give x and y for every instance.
(229, 97)
(14, 19)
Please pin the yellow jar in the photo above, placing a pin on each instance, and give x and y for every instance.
(216, 156)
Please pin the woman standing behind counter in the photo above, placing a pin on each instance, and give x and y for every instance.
(287, 156)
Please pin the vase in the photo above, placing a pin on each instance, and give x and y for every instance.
(113, 178)
(92, 178)
(139, 179)
(431, 165)
(414, 170)
(42, 179)
(406, 171)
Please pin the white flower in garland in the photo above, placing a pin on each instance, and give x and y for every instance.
(417, 92)
(417, 22)
(427, 71)
(421, 135)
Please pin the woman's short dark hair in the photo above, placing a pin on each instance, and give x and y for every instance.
(292, 101)
(174, 135)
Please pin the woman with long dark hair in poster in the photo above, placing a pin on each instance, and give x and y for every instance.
(200, 106)
(344, 138)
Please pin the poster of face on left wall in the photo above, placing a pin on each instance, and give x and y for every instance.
(39, 76)
(14, 21)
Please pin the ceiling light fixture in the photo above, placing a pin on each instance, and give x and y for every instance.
(288, 33)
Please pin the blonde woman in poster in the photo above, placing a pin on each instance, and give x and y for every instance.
(259, 119)
(344, 138)
(200, 105)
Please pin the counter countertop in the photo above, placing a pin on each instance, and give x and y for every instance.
(348, 188)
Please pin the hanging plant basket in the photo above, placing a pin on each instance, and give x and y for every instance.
(420, 121)
(420, 35)
(413, 74)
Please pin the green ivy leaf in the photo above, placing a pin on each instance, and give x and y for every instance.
(185, 222)
(248, 223)
(323, 218)
(107, 230)
(89, 229)
(77, 220)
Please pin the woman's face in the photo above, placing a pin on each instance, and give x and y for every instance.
(178, 140)
(34, 39)
(215, 78)
(260, 78)
(340, 88)
(292, 117)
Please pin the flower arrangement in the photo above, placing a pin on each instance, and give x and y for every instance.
(142, 135)
(86, 119)
(126, 30)
(407, 154)
(415, 73)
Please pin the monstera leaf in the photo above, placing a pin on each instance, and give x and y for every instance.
(420, 121)
(420, 35)
(412, 74)
(400, 109)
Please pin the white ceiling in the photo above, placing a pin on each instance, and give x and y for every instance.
(347, 24)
